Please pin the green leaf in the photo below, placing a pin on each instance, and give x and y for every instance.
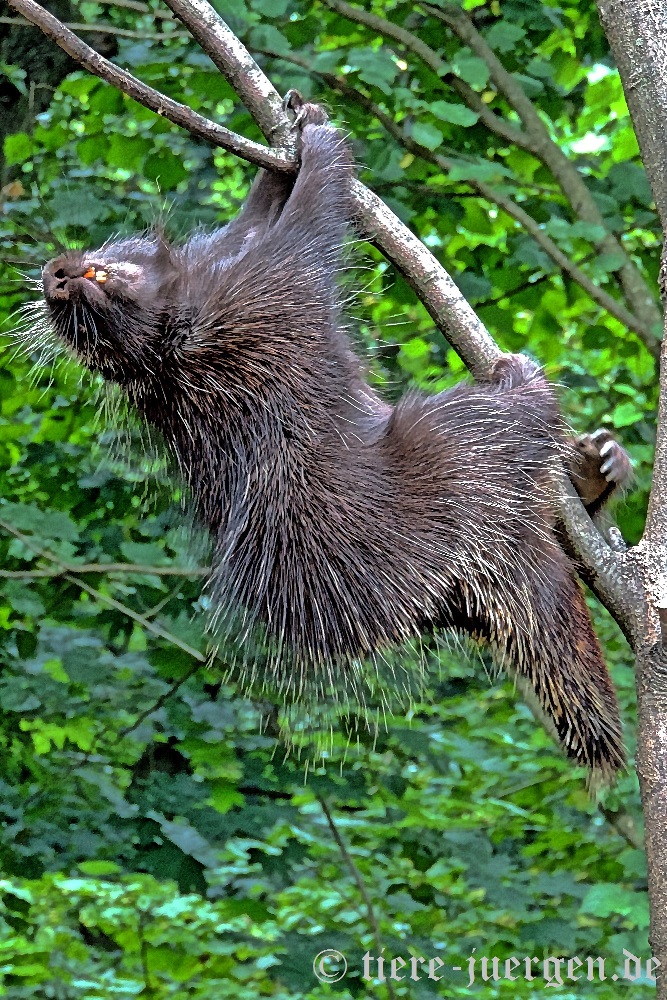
(78, 207)
(15, 75)
(127, 152)
(529, 84)
(626, 414)
(462, 170)
(79, 85)
(17, 148)
(99, 868)
(471, 69)
(605, 900)
(458, 114)
(165, 168)
(375, 67)
(271, 8)
(503, 36)
(22, 598)
(426, 135)
(588, 231)
(94, 148)
(49, 525)
(267, 36)
(145, 554)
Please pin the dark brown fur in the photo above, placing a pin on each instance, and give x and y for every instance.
(343, 526)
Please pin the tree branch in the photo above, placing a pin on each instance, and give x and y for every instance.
(637, 34)
(64, 571)
(107, 29)
(510, 207)
(437, 64)
(543, 146)
(236, 64)
(158, 703)
(179, 114)
(534, 136)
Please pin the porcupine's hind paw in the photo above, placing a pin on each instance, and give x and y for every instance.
(305, 113)
(601, 456)
(598, 467)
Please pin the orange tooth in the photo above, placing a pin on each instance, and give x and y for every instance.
(90, 273)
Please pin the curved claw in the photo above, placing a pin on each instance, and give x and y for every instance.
(601, 449)
(292, 101)
(305, 113)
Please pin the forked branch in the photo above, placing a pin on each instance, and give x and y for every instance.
(179, 114)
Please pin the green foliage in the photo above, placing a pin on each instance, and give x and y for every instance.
(156, 842)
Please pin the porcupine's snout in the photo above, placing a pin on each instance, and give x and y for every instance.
(69, 278)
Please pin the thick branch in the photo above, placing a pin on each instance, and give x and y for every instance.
(655, 533)
(179, 114)
(611, 575)
(636, 32)
(433, 285)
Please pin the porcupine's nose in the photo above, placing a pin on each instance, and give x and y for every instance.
(63, 278)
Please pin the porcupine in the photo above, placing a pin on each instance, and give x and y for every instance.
(344, 526)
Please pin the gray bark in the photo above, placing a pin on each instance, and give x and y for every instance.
(637, 34)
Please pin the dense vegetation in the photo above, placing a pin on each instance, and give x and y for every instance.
(157, 841)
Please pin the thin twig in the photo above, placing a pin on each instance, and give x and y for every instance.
(356, 875)
(65, 572)
(140, 619)
(62, 567)
(106, 29)
(534, 137)
(157, 704)
(435, 62)
(639, 294)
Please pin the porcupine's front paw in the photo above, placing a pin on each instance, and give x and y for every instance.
(305, 113)
(600, 466)
(320, 145)
(510, 370)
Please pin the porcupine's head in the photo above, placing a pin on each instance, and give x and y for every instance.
(110, 306)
